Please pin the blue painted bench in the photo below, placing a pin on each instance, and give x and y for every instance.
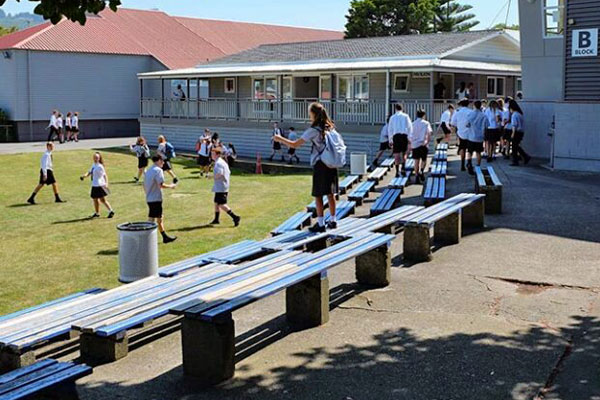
(442, 146)
(361, 192)
(378, 174)
(447, 218)
(440, 155)
(312, 207)
(43, 377)
(390, 222)
(208, 332)
(295, 222)
(388, 163)
(347, 183)
(488, 183)
(401, 182)
(435, 190)
(12, 325)
(409, 165)
(342, 210)
(389, 199)
(438, 168)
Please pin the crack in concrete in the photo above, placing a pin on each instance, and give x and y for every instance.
(555, 371)
(377, 310)
(547, 285)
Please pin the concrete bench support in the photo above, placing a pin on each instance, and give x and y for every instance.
(208, 349)
(493, 199)
(449, 230)
(375, 267)
(417, 243)
(473, 215)
(101, 349)
(11, 360)
(307, 302)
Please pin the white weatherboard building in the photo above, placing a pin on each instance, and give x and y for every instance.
(358, 80)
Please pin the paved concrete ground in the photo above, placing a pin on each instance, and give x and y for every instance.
(84, 144)
(512, 312)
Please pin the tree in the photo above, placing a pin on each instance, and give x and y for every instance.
(75, 10)
(450, 17)
(7, 30)
(369, 18)
(504, 27)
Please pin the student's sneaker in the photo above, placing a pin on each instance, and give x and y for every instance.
(332, 225)
(463, 168)
(59, 200)
(31, 201)
(111, 214)
(417, 179)
(95, 215)
(471, 170)
(316, 228)
(236, 220)
(422, 176)
(175, 180)
(169, 239)
(215, 222)
(136, 179)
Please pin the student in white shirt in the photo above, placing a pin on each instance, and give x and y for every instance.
(68, 126)
(517, 124)
(221, 176)
(461, 125)
(292, 151)
(142, 152)
(479, 125)
(99, 186)
(46, 175)
(506, 128)
(419, 142)
(276, 145)
(462, 92)
(203, 146)
(384, 143)
(167, 152)
(75, 126)
(60, 126)
(445, 124)
(52, 126)
(230, 154)
(154, 183)
(492, 134)
(179, 96)
(399, 127)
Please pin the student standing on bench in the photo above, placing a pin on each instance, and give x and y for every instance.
(99, 186)
(154, 183)
(399, 127)
(517, 135)
(46, 175)
(221, 175)
(461, 123)
(479, 125)
(325, 179)
(384, 143)
(419, 142)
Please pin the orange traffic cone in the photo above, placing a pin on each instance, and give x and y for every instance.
(258, 164)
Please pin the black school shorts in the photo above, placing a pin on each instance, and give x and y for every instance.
(383, 146)
(98, 192)
(475, 147)
(167, 166)
(492, 135)
(463, 144)
(400, 143)
(203, 161)
(221, 198)
(420, 153)
(142, 162)
(155, 209)
(445, 129)
(49, 177)
(325, 180)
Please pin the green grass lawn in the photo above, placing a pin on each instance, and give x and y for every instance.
(51, 250)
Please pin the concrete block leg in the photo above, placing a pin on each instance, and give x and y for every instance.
(66, 391)
(11, 360)
(375, 267)
(208, 349)
(473, 216)
(99, 349)
(449, 230)
(417, 243)
(493, 200)
(307, 302)
(318, 245)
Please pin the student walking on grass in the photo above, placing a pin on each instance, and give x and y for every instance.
(517, 124)
(399, 127)
(154, 183)
(99, 186)
(221, 176)
(167, 152)
(142, 152)
(327, 155)
(203, 146)
(291, 151)
(419, 142)
(46, 175)
(479, 125)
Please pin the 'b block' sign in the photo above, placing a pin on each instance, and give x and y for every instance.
(585, 43)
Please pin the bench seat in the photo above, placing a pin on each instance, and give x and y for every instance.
(295, 222)
(388, 163)
(312, 207)
(378, 174)
(40, 377)
(438, 168)
(435, 190)
(400, 183)
(342, 210)
(440, 155)
(409, 165)
(347, 183)
(361, 192)
(389, 199)
(488, 183)
(442, 146)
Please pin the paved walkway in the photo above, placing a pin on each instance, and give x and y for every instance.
(87, 144)
(512, 312)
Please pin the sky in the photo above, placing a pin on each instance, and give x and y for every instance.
(327, 14)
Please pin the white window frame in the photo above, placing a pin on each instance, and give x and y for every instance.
(264, 80)
(407, 76)
(330, 77)
(496, 94)
(561, 10)
(227, 91)
(291, 94)
(519, 82)
(352, 78)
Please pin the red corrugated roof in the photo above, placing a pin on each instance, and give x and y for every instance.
(177, 42)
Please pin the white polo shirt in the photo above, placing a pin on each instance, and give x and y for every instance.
(446, 117)
(421, 129)
(462, 120)
(492, 116)
(400, 124)
(98, 175)
(478, 126)
(46, 162)
(383, 135)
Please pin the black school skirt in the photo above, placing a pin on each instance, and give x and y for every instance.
(325, 180)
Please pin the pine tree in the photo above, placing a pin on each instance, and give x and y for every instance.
(451, 16)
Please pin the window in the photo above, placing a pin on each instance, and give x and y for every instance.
(353, 87)
(401, 82)
(287, 87)
(554, 25)
(519, 84)
(264, 88)
(326, 87)
(271, 88)
(229, 85)
(496, 86)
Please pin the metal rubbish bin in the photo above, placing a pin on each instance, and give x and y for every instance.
(138, 251)
(358, 163)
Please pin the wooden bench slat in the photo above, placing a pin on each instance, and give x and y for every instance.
(388, 162)
(32, 377)
(378, 174)
(347, 183)
(480, 177)
(312, 207)
(18, 373)
(443, 209)
(494, 177)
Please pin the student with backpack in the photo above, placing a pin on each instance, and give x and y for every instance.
(167, 152)
(327, 155)
(46, 176)
(99, 186)
(142, 152)
(221, 175)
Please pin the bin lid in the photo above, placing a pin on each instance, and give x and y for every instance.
(137, 226)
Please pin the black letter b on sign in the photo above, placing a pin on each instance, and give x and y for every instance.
(584, 39)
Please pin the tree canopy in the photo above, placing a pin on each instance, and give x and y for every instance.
(6, 30)
(369, 18)
(74, 10)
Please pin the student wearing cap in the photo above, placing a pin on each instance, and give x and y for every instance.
(221, 176)
(461, 123)
(46, 175)
(419, 142)
(399, 127)
(154, 183)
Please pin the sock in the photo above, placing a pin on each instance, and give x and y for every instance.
(164, 234)
(321, 221)
(57, 197)
(397, 169)
(231, 214)
(217, 214)
(33, 195)
(333, 218)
